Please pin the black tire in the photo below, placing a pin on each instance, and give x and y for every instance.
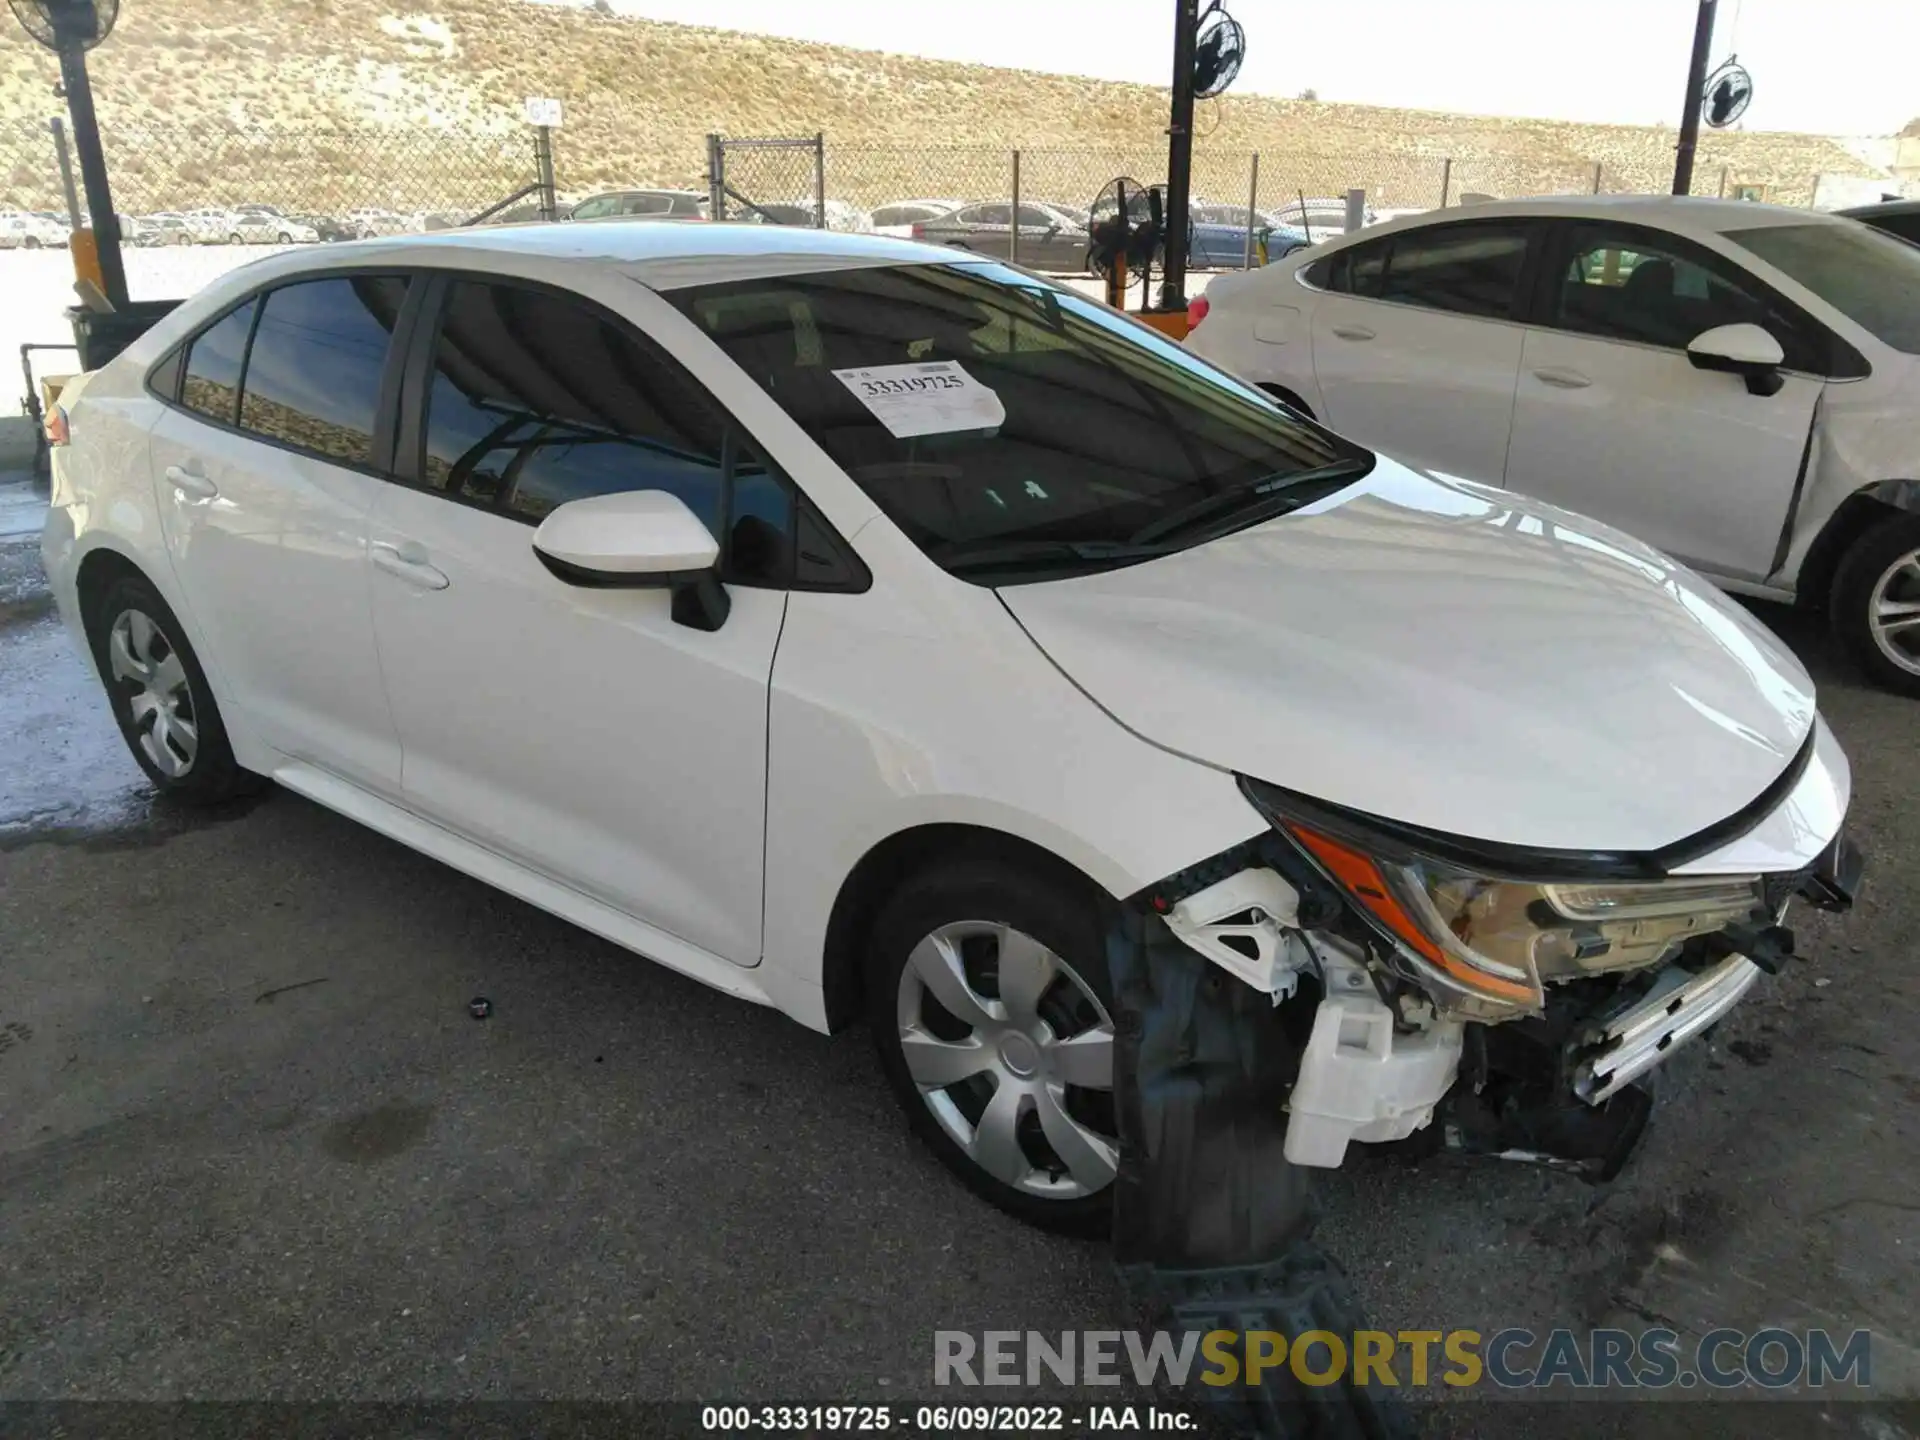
(1856, 590)
(211, 775)
(1063, 918)
(235, 239)
(31, 243)
(285, 238)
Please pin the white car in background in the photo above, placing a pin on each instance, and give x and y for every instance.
(267, 225)
(31, 230)
(1736, 384)
(369, 222)
(898, 217)
(902, 633)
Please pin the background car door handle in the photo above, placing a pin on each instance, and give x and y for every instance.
(191, 482)
(1562, 379)
(1353, 332)
(408, 562)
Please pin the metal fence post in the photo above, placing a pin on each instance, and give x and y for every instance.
(1253, 203)
(1596, 176)
(1446, 180)
(1724, 171)
(59, 130)
(716, 178)
(1013, 235)
(543, 165)
(819, 179)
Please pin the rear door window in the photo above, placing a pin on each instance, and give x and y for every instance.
(319, 354)
(1470, 269)
(211, 383)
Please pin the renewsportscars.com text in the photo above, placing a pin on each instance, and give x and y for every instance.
(1513, 1359)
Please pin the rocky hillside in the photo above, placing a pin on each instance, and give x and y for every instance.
(642, 95)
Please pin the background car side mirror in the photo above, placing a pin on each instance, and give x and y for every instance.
(1745, 350)
(639, 539)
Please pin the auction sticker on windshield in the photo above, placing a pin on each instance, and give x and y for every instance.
(933, 398)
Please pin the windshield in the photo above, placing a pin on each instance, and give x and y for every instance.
(1871, 278)
(982, 408)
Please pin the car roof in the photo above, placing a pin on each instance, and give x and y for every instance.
(1874, 212)
(662, 254)
(1676, 212)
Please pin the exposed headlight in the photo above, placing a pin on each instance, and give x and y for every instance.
(1488, 944)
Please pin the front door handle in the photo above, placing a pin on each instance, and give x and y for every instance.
(1353, 332)
(1562, 379)
(408, 561)
(191, 483)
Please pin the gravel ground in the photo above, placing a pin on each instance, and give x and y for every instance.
(253, 1147)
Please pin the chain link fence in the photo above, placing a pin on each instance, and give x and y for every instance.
(370, 180)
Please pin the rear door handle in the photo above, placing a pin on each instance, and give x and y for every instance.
(1353, 332)
(408, 561)
(191, 483)
(1562, 379)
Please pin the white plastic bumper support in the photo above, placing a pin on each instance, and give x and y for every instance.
(1361, 1081)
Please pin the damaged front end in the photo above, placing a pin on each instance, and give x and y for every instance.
(1548, 983)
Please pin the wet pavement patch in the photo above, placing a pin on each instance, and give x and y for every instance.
(377, 1134)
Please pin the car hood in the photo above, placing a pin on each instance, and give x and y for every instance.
(1447, 655)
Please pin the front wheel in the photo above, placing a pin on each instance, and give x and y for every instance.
(234, 239)
(1876, 604)
(990, 1005)
(160, 697)
(285, 238)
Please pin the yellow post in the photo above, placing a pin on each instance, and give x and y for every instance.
(86, 257)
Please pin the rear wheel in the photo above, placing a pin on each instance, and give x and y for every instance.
(990, 1005)
(1876, 604)
(160, 697)
(285, 238)
(234, 239)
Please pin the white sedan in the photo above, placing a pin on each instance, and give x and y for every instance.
(1734, 383)
(863, 628)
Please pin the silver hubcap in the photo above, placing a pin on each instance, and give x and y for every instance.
(1013, 1053)
(1894, 612)
(153, 683)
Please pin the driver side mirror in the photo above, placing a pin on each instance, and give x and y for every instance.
(1744, 350)
(639, 539)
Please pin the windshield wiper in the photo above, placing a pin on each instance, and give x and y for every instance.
(1268, 496)
(1049, 554)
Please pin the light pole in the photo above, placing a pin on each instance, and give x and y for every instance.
(1173, 269)
(1690, 116)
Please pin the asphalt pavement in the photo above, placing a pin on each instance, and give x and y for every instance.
(253, 1145)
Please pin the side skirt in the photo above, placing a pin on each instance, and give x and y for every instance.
(517, 880)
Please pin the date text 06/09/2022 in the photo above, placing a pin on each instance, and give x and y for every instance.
(1076, 1419)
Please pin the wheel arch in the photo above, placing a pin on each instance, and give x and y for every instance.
(887, 864)
(1863, 510)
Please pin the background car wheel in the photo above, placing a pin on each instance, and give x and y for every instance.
(285, 238)
(234, 239)
(1876, 604)
(990, 1005)
(160, 697)
(31, 243)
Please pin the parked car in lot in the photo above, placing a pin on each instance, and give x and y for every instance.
(28, 230)
(161, 229)
(840, 215)
(369, 222)
(209, 226)
(1051, 236)
(1732, 382)
(900, 216)
(641, 205)
(1217, 237)
(1899, 218)
(905, 634)
(265, 225)
(1320, 218)
(328, 227)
